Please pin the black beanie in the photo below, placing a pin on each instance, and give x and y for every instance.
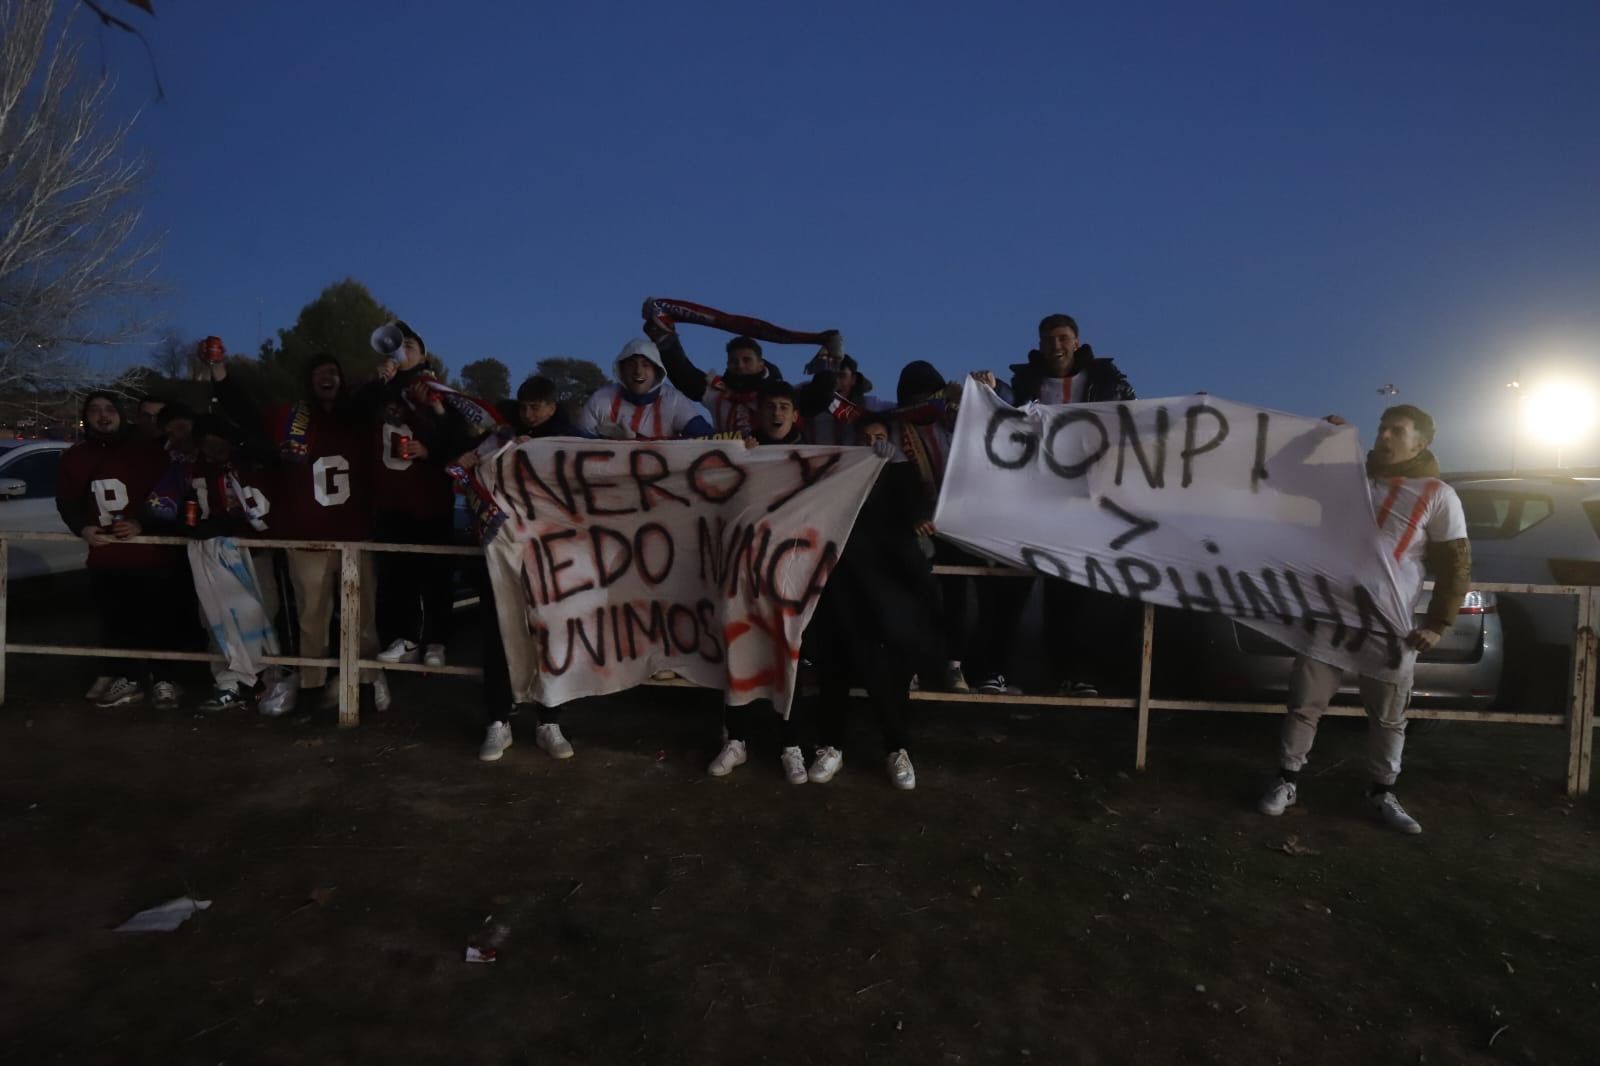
(411, 334)
(917, 378)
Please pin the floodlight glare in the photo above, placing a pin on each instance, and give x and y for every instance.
(1559, 413)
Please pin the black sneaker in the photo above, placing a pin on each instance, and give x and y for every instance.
(1077, 688)
(221, 699)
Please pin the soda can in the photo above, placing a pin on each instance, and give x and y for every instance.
(191, 513)
(401, 443)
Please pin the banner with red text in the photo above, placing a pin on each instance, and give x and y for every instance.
(621, 559)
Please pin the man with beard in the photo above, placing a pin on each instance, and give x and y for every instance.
(731, 396)
(1425, 530)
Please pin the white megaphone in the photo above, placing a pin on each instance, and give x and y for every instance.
(388, 340)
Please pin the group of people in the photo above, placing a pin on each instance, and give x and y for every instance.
(384, 461)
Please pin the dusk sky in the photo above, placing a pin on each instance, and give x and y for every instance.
(1283, 205)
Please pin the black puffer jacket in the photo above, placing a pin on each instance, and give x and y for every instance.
(1106, 384)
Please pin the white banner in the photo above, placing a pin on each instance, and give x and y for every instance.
(1194, 502)
(700, 557)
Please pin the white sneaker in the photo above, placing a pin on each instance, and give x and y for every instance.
(794, 766)
(401, 651)
(955, 680)
(164, 696)
(731, 755)
(551, 742)
(381, 699)
(900, 771)
(434, 655)
(827, 763)
(1386, 808)
(495, 741)
(282, 692)
(98, 689)
(1280, 797)
(119, 693)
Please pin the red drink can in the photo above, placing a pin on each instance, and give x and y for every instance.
(401, 443)
(191, 513)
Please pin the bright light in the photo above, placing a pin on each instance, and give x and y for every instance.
(1559, 413)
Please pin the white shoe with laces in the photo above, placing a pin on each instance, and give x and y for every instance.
(119, 693)
(401, 651)
(731, 755)
(794, 766)
(164, 696)
(828, 762)
(1386, 808)
(381, 698)
(433, 655)
(495, 741)
(551, 742)
(955, 680)
(901, 771)
(1280, 796)
(98, 689)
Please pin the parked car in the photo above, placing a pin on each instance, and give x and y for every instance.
(28, 472)
(1465, 668)
(1537, 528)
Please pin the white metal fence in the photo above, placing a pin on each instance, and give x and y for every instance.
(1578, 716)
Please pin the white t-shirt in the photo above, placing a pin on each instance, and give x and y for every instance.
(1412, 513)
(1063, 390)
(663, 418)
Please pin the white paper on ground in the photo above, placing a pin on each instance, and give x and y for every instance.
(165, 918)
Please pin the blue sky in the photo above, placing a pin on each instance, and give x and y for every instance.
(1288, 205)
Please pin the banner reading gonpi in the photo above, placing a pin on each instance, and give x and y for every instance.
(701, 557)
(1194, 502)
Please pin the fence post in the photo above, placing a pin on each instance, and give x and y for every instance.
(5, 550)
(1589, 638)
(1580, 717)
(349, 636)
(1146, 654)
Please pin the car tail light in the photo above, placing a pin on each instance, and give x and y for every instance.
(1478, 603)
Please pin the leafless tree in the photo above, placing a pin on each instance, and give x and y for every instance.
(73, 264)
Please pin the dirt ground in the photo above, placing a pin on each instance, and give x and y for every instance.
(1030, 902)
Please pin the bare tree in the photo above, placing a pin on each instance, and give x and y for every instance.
(173, 357)
(72, 263)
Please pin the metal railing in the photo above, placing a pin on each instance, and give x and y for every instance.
(1578, 716)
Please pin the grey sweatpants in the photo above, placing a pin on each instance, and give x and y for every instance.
(1313, 684)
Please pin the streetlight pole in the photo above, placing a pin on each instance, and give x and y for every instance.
(1514, 386)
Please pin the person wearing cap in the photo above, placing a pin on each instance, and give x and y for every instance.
(776, 422)
(324, 492)
(837, 395)
(641, 404)
(101, 489)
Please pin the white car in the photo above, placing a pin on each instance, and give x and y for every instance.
(28, 472)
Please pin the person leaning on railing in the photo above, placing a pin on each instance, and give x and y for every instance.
(101, 491)
(324, 493)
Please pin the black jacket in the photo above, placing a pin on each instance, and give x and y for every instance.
(882, 592)
(1106, 384)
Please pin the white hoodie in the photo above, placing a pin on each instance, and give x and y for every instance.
(663, 413)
